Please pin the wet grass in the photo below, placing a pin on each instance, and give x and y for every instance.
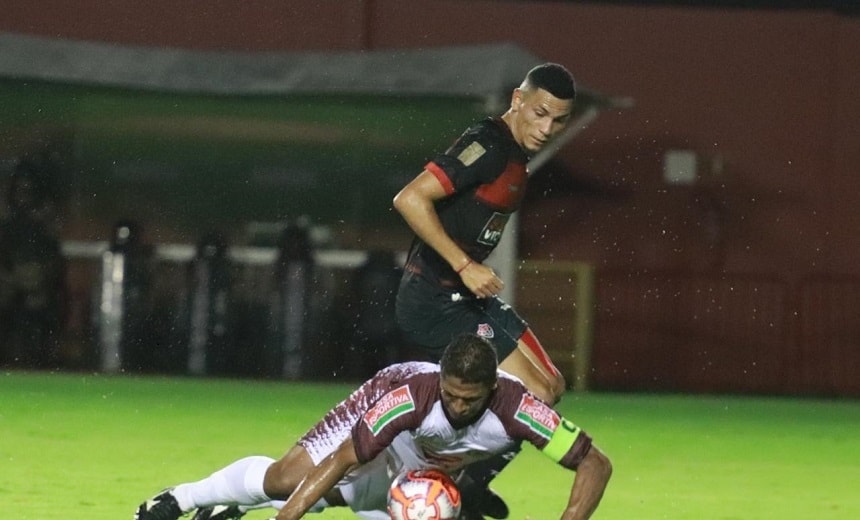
(91, 447)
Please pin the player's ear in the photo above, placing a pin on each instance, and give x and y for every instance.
(516, 100)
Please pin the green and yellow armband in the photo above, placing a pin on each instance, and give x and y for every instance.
(562, 440)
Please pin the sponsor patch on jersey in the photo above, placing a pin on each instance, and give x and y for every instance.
(471, 153)
(392, 405)
(485, 331)
(542, 419)
(492, 232)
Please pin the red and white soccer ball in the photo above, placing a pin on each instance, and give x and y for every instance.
(423, 494)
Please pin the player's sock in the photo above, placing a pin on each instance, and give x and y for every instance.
(239, 483)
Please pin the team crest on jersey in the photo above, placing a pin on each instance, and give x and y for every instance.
(392, 405)
(471, 153)
(485, 331)
(542, 419)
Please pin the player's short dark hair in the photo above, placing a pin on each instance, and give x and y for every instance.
(553, 78)
(470, 358)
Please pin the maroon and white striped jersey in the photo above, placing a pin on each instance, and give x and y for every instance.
(399, 413)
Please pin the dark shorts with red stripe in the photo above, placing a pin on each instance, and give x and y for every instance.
(430, 316)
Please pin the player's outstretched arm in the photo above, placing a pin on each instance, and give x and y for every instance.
(319, 481)
(592, 475)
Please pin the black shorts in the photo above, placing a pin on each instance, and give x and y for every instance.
(430, 317)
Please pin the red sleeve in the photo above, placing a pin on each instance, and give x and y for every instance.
(441, 176)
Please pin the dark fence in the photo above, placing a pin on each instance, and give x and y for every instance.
(209, 310)
(663, 331)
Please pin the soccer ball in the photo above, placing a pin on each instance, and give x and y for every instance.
(423, 494)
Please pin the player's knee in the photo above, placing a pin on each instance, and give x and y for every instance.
(548, 391)
(557, 387)
(276, 483)
(280, 480)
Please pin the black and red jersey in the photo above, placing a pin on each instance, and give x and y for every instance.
(484, 174)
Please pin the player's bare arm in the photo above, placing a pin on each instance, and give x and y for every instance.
(591, 479)
(319, 480)
(415, 203)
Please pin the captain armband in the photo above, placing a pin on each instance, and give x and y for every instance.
(562, 440)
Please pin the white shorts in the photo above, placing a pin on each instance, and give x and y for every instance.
(364, 489)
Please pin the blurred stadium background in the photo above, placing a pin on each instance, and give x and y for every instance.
(708, 205)
(695, 234)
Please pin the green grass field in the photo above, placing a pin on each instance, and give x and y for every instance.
(91, 447)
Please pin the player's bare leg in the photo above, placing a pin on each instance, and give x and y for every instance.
(279, 480)
(286, 473)
(533, 366)
(284, 476)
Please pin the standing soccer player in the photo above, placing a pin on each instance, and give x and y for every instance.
(411, 415)
(458, 207)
